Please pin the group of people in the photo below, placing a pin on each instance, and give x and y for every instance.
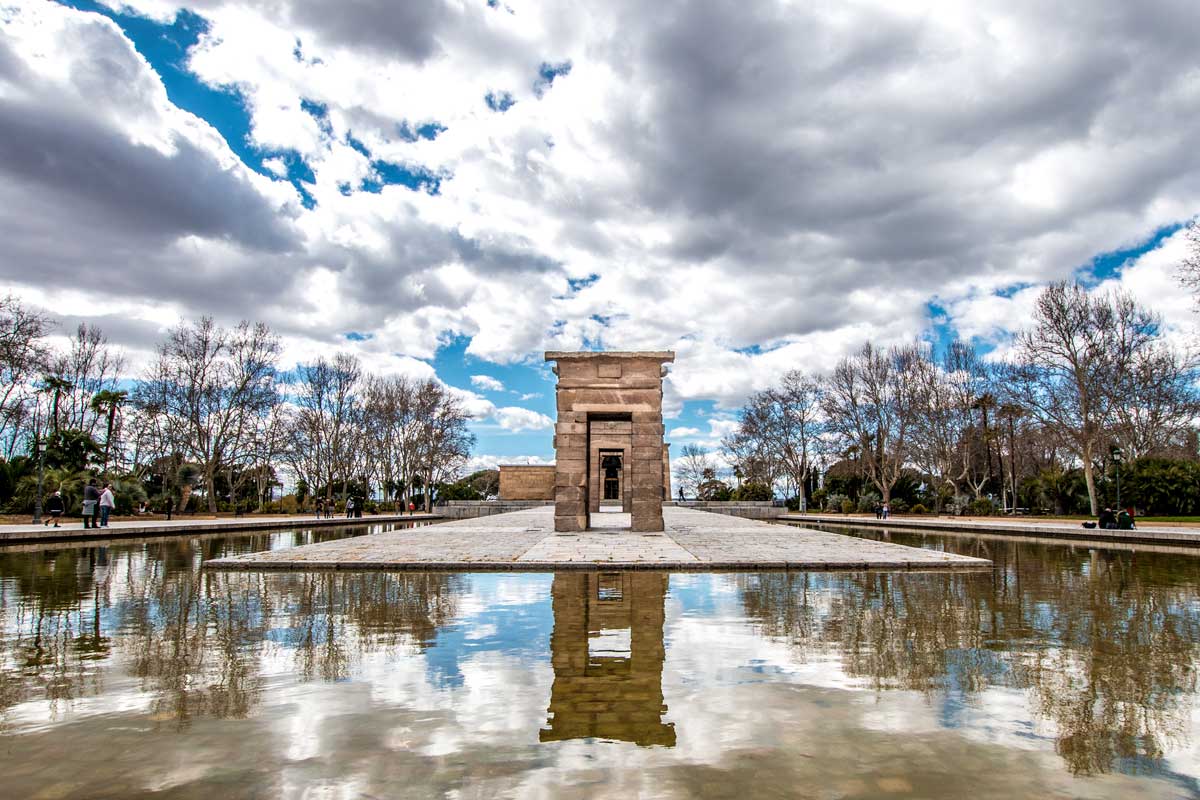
(325, 508)
(1121, 520)
(98, 505)
(882, 510)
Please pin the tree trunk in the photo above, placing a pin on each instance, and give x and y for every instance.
(210, 478)
(1090, 479)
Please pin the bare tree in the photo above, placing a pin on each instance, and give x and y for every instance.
(323, 428)
(693, 467)
(1157, 403)
(1189, 269)
(778, 431)
(89, 366)
(445, 442)
(869, 407)
(1075, 365)
(22, 358)
(212, 387)
(943, 396)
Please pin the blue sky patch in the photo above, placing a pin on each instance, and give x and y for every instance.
(499, 101)
(387, 173)
(1109, 265)
(546, 75)
(166, 47)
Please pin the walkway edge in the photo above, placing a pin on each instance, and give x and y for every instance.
(191, 528)
(1020, 530)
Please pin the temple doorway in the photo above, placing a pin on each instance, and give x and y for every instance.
(610, 466)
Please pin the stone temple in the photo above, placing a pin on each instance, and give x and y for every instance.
(608, 440)
(609, 437)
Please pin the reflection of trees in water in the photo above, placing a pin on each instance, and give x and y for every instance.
(195, 640)
(61, 634)
(1104, 642)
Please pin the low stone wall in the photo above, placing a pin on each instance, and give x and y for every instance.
(748, 509)
(470, 509)
(526, 482)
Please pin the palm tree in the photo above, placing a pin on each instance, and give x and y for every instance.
(57, 385)
(1011, 411)
(984, 403)
(108, 402)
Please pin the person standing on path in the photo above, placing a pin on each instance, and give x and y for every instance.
(91, 505)
(886, 510)
(349, 507)
(55, 507)
(108, 502)
(320, 507)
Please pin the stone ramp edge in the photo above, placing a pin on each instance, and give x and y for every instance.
(223, 565)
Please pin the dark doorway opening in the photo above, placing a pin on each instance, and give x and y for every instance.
(610, 466)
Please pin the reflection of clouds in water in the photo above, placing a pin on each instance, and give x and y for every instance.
(489, 590)
(39, 714)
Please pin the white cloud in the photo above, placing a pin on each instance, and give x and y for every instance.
(488, 461)
(684, 433)
(487, 383)
(696, 182)
(516, 419)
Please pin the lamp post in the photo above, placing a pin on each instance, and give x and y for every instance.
(41, 469)
(1117, 455)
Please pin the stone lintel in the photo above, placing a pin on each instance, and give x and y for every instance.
(667, 356)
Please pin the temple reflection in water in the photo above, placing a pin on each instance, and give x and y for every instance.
(607, 651)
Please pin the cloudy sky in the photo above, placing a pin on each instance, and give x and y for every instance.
(453, 188)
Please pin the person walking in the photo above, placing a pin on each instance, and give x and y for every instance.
(349, 507)
(55, 508)
(108, 501)
(91, 503)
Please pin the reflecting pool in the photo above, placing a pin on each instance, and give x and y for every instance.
(126, 670)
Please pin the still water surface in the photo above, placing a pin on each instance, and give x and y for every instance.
(128, 671)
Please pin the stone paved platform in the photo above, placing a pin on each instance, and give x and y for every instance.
(695, 541)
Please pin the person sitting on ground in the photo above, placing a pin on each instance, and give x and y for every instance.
(55, 507)
(1107, 519)
(1125, 519)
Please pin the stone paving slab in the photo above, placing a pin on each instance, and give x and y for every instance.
(525, 540)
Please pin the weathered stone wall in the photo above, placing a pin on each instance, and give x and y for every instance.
(470, 509)
(526, 482)
(601, 387)
(749, 509)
